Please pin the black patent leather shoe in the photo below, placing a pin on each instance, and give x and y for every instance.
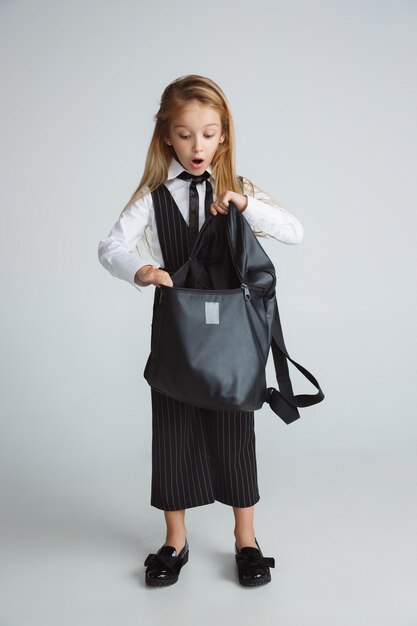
(163, 568)
(253, 566)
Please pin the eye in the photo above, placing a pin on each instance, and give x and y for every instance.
(188, 136)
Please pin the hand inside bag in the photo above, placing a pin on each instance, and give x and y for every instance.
(152, 275)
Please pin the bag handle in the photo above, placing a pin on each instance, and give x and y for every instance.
(283, 402)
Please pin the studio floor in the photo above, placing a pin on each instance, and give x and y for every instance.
(341, 528)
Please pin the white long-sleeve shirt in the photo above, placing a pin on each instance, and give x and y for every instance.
(119, 254)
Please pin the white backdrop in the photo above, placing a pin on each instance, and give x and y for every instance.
(324, 97)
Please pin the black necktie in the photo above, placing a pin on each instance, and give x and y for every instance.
(193, 211)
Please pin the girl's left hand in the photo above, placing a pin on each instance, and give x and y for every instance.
(221, 204)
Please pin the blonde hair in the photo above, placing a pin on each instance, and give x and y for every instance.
(175, 97)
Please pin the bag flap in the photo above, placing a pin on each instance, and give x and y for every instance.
(226, 254)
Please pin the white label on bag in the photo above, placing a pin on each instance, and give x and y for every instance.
(212, 312)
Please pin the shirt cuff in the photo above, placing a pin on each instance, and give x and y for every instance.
(122, 263)
(252, 208)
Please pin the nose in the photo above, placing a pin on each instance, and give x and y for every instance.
(197, 146)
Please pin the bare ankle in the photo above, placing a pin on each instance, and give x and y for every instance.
(176, 538)
(245, 537)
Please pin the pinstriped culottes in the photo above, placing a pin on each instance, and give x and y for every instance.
(200, 455)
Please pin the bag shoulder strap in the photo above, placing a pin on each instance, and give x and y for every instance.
(283, 402)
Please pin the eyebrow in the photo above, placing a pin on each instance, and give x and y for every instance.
(183, 125)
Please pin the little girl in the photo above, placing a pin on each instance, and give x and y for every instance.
(198, 455)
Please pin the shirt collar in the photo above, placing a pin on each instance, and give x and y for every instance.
(176, 168)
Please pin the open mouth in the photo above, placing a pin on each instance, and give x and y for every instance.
(198, 161)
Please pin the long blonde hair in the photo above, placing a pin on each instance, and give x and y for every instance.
(175, 97)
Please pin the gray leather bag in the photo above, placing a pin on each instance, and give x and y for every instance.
(213, 330)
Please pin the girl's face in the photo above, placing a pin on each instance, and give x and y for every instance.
(195, 135)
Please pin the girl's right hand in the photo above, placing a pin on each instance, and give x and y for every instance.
(152, 275)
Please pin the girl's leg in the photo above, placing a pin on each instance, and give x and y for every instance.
(244, 530)
(176, 531)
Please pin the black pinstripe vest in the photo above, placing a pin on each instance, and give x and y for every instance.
(172, 229)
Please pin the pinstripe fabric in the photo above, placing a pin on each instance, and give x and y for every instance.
(198, 455)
